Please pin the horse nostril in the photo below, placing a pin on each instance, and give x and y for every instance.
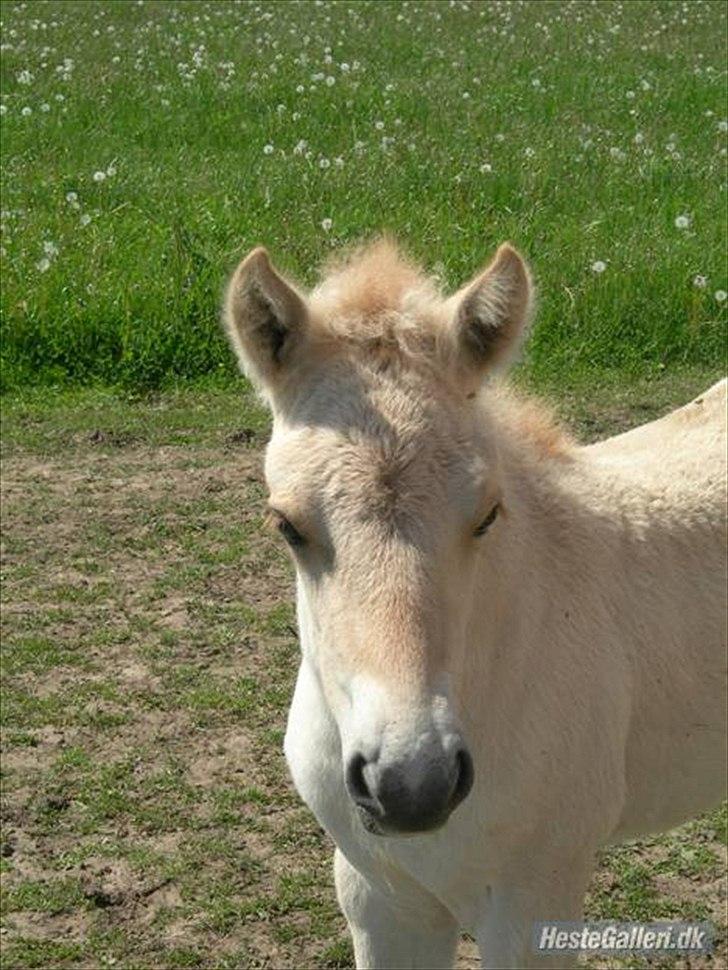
(466, 773)
(355, 781)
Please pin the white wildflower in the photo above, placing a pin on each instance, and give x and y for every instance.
(682, 222)
(85, 219)
(720, 296)
(43, 265)
(326, 224)
(700, 281)
(268, 149)
(598, 266)
(99, 176)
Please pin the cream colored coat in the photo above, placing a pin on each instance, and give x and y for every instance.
(577, 647)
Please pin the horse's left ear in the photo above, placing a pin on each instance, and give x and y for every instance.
(489, 316)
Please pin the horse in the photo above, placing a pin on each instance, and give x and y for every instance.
(512, 644)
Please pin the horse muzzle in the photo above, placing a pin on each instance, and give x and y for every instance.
(409, 796)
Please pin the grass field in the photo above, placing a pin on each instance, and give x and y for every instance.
(148, 636)
(147, 145)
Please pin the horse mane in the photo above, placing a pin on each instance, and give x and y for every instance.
(374, 294)
(529, 420)
(375, 298)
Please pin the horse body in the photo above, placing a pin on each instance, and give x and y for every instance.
(475, 714)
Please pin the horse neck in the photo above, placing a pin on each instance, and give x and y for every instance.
(554, 525)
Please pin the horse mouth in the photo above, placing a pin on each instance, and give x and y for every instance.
(369, 821)
(373, 826)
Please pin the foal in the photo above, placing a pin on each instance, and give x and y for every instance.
(512, 645)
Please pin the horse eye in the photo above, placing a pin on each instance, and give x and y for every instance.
(289, 532)
(488, 520)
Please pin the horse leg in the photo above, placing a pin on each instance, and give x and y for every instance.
(536, 887)
(392, 929)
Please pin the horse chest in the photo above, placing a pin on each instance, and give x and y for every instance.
(313, 752)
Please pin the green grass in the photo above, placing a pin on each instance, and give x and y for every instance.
(581, 132)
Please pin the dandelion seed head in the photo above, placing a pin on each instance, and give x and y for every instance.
(598, 266)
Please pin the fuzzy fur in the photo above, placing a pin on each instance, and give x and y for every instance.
(578, 646)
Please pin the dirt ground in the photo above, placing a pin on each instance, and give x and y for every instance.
(149, 656)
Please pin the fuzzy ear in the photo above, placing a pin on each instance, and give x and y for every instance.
(265, 318)
(490, 316)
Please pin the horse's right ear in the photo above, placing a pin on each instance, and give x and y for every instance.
(265, 317)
